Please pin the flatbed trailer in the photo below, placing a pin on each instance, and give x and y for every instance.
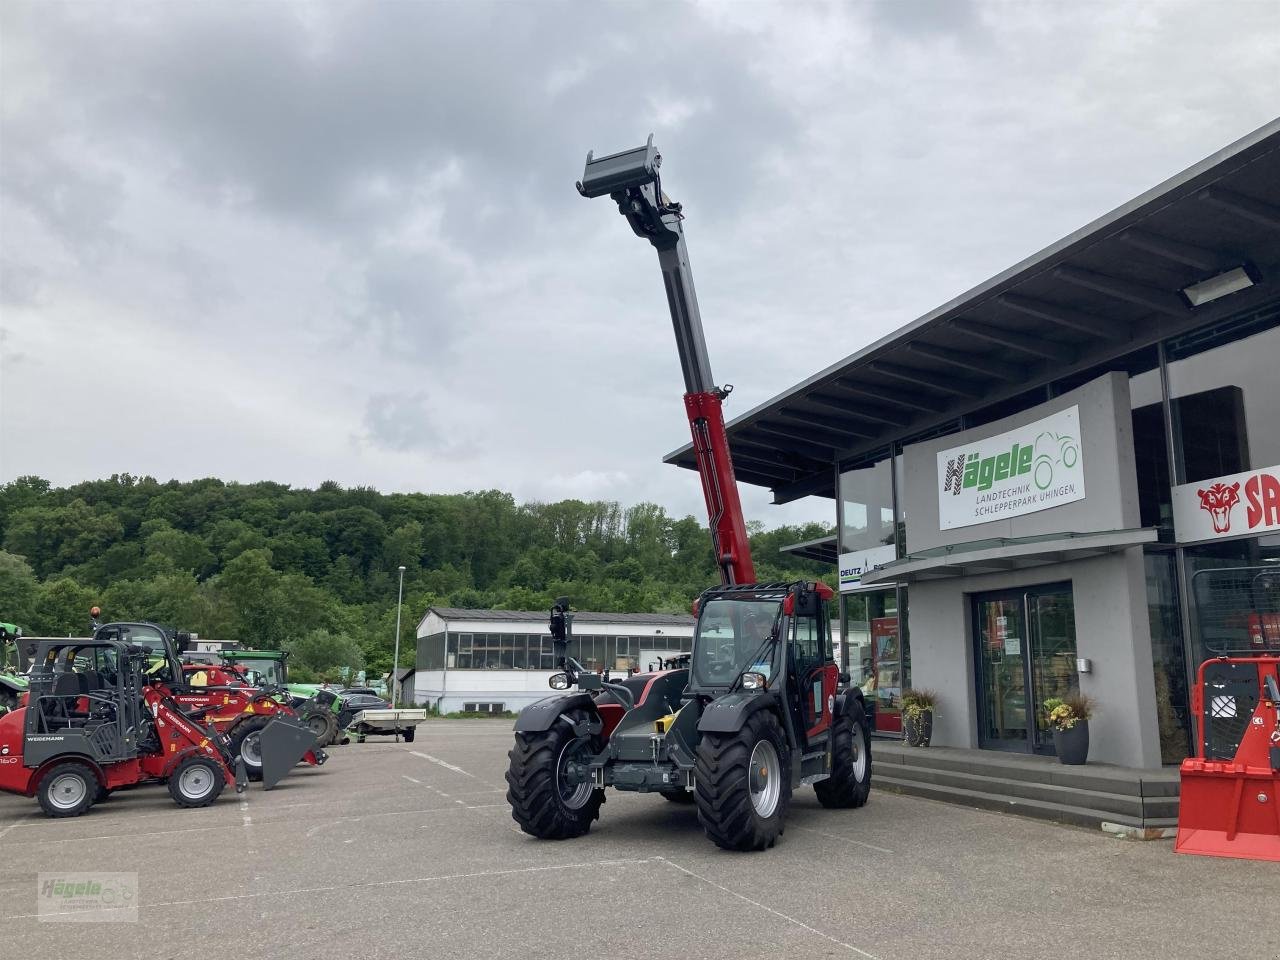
(387, 722)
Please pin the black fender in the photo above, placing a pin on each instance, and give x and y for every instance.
(542, 714)
(847, 698)
(727, 714)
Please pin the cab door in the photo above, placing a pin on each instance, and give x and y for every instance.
(815, 671)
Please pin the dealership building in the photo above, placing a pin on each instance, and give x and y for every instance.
(1066, 478)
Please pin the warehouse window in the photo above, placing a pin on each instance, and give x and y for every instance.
(483, 707)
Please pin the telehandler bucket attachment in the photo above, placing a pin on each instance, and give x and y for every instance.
(283, 742)
(1230, 797)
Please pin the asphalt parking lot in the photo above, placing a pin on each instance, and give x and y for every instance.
(409, 850)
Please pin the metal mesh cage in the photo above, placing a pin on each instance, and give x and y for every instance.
(1230, 697)
(1238, 609)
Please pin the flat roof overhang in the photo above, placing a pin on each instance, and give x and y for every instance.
(1110, 288)
(1002, 554)
(823, 550)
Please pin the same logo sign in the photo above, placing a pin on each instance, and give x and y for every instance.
(1234, 505)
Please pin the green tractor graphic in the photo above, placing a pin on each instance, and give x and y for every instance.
(1052, 449)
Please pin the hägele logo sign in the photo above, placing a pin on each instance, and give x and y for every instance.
(1025, 470)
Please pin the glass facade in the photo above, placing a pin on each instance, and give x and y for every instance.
(473, 650)
(1203, 406)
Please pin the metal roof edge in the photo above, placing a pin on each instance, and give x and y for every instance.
(1236, 150)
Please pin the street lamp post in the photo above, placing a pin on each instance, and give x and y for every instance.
(395, 663)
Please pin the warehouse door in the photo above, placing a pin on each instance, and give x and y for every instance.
(1026, 654)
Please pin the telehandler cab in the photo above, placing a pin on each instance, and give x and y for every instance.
(761, 707)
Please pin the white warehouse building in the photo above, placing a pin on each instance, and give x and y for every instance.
(495, 660)
(489, 661)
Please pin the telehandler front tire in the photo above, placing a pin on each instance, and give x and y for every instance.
(744, 784)
(542, 802)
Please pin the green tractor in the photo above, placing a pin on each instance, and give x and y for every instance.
(317, 707)
(13, 680)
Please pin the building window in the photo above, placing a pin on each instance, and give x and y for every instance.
(866, 507)
(431, 652)
(483, 707)
(1167, 655)
(1224, 395)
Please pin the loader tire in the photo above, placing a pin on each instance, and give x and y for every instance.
(541, 803)
(744, 784)
(322, 722)
(678, 796)
(196, 782)
(246, 744)
(67, 790)
(850, 782)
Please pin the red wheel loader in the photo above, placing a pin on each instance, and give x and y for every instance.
(222, 699)
(92, 724)
(760, 708)
(1229, 803)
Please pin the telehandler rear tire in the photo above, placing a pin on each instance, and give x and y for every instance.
(542, 803)
(850, 782)
(744, 784)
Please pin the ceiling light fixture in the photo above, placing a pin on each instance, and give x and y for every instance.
(1231, 281)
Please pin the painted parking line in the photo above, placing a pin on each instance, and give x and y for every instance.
(777, 913)
(443, 763)
(834, 836)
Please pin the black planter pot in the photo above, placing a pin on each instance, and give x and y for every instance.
(1072, 745)
(918, 731)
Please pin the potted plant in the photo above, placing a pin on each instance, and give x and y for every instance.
(917, 716)
(1069, 721)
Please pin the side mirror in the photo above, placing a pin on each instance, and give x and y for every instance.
(558, 681)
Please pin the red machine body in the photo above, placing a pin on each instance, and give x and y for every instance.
(177, 736)
(719, 487)
(226, 706)
(1230, 796)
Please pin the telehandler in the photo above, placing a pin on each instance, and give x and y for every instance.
(761, 707)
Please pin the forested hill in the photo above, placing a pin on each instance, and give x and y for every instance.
(315, 570)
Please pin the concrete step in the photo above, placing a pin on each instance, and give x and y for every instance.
(1039, 809)
(1023, 767)
(1105, 803)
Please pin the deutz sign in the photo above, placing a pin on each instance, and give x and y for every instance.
(1032, 468)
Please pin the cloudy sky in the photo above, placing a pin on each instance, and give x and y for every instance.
(341, 241)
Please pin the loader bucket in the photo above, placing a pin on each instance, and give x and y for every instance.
(1229, 810)
(283, 742)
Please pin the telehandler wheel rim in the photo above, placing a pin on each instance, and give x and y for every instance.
(574, 796)
(196, 782)
(317, 724)
(68, 791)
(857, 750)
(251, 749)
(765, 778)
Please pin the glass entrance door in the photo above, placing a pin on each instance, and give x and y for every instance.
(1026, 653)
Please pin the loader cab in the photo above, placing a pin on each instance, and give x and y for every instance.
(164, 665)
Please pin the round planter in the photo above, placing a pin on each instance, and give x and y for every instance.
(1072, 745)
(917, 731)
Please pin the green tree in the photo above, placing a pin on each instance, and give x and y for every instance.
(18, 591)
